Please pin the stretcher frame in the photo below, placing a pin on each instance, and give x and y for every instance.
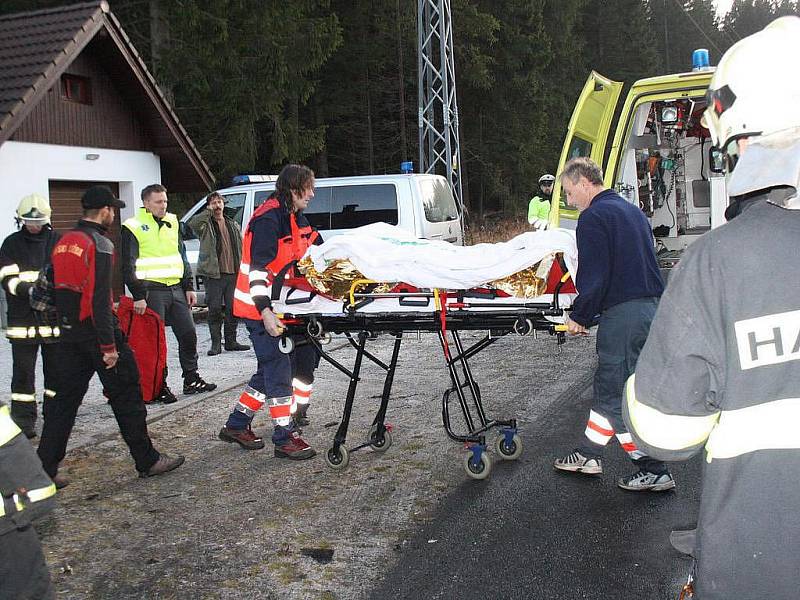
(454, 312)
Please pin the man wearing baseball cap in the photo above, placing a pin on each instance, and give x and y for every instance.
(93, 343)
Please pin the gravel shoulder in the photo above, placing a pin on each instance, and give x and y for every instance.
(234, 524)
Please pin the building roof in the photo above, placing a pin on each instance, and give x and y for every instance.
(37, 47)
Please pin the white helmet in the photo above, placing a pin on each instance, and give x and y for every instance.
(753, 91)
(34, 210)
(546, 179)
(754, 95)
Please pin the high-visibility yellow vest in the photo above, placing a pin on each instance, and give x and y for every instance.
(159, 258)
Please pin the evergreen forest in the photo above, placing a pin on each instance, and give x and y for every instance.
(333, 83)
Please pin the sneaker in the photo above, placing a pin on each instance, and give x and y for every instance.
(29, 433)
(244, 437)
(575, 462)
(645, 481)
(165, 396)
(294, 448)
(164, 464)
(194, 384)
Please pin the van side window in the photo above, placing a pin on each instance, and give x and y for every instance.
(357, 205)
(318, 212)
(438, 201)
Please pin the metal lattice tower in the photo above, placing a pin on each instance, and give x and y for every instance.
(439, 150)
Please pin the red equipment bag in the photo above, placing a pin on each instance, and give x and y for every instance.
(148, 341)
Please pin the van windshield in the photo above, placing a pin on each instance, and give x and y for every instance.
(437, 198)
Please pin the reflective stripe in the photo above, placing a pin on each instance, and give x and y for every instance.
(243, 297)
(9, 270)
(626, 441)
(155, 260)
(36, 495)
(22, 333)
(259, 290)
(280, 408)
(301, 391)
(12, 285)
(165, 273)
(670, 432)
(598, 428)
(23, 397)
(258, 275)
(767, 426)
(244, 268)
(29, 276)
(8, 429)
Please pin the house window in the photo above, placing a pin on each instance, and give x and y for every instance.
(76, 89)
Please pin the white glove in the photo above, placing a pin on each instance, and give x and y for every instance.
(540, 224)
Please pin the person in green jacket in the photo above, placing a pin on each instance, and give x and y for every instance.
(539, 206)
(218, 263)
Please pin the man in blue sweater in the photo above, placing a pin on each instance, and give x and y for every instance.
(619, 285)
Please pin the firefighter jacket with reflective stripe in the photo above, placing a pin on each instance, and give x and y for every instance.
(26, 491)
(273, 239)
(159, 258)
(83, 260)
(22, 256)
(720, 372)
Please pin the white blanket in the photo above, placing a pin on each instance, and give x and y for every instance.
(386, 253)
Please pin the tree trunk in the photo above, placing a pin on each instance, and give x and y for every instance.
(402, 86)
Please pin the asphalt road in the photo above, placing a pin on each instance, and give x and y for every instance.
(532, 532)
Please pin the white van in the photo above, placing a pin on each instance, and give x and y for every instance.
(419, 203)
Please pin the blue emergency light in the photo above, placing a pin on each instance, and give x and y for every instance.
(406, 167)
(700, 60)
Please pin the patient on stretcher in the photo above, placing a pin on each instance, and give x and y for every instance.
(389, 255)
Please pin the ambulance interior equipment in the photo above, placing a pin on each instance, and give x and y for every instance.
(369, 309)
(665, 170)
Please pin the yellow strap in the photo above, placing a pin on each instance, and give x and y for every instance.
(8, 429)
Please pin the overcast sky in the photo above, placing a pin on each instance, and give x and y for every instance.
(723, 6)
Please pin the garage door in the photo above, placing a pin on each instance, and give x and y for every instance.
(65, 200)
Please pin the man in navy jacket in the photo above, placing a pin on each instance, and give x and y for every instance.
(619, 285)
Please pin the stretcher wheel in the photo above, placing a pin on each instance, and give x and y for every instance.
(506, 450)
(314, 328)
(337, 459)
(523, 326)
(384, 443)
(477, 470)
(286, 345)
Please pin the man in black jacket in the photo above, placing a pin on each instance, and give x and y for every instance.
(22, 256)
(93, 343)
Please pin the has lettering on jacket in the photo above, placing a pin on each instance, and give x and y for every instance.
(768, 340)
(71, 248)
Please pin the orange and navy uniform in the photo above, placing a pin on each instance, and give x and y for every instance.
(82, 265)
(274, 238)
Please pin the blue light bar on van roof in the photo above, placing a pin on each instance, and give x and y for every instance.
(245, 179)
(407, 167)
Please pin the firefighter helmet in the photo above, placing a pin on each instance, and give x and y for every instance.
(34, 209)
(751, 92)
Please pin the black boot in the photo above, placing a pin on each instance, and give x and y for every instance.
(215, 329)
(23, 413)
(300, 418)
(231, 345)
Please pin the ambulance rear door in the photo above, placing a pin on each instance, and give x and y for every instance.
(587, 135)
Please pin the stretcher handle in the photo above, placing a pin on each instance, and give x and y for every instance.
(414, 301)
(354, 285)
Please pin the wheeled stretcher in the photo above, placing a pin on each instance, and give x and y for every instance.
(364, 314)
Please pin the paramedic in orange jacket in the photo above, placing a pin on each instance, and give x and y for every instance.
(278, 234)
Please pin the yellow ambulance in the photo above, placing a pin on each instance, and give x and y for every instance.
(659, 157)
